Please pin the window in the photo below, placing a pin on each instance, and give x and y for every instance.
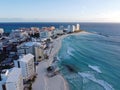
(18, 64)
(4, 87)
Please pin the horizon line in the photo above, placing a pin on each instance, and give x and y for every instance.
(56, 22)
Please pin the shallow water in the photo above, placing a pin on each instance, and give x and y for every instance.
(91, 62)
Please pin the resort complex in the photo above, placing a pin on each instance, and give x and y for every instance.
(28, 58)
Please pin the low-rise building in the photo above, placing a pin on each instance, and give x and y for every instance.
(61, 28)
(44, 35)
(58, 32)
(25, 48)
(34, 48)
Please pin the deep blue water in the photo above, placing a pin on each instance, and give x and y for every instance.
(104, 28)
(87, 61)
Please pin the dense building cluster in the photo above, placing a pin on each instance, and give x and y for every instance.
(21, 51)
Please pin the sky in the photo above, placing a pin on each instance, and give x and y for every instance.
(60, 10)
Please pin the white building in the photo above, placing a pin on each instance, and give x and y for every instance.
(58, 32)
(1, 45)
(34, 30)
(71, 28)
(11, 79)
(39, 55)
(1, 30)
(25, 48)
(44, 35)
(34, 48)
(26, 63)
(50, 33)
(61, 27)
(77, 27)
(18, 35)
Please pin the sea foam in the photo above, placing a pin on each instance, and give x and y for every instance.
(90, 76)
(95, 68)
(70, 51)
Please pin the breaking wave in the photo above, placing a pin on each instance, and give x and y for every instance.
(95, 68)
(90, 76)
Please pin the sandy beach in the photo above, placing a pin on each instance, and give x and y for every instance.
(57, 82)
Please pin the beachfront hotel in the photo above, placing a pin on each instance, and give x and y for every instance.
(26, 63)
(77, 27)
(1, 31)
(11, 79)
(34, 48)
(73, 28)
(39, 53)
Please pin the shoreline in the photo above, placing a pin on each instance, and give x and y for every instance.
(58, 82)
(58, 42)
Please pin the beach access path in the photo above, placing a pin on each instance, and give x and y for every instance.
(57, 82)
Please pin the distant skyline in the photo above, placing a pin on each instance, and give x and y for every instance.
(60, 11)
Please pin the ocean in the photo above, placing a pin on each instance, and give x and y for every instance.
(92, 61)
(88, 61)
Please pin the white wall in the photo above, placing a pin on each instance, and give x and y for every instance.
(10, 86)
(38, 52)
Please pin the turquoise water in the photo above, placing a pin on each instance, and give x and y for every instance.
(91, 62)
